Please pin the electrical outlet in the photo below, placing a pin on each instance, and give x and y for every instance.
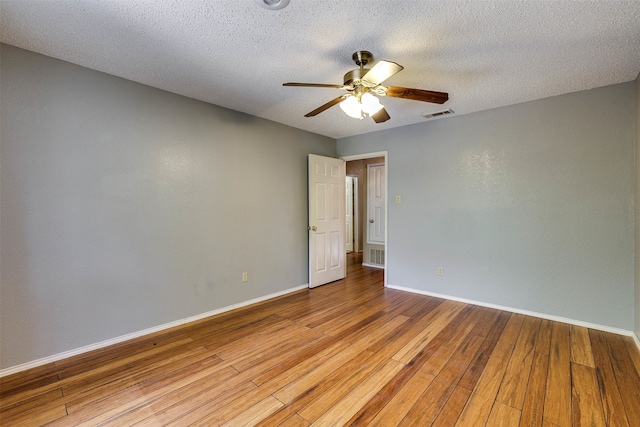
(440, 271)
(245, 277)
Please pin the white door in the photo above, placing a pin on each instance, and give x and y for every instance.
(348, 217)
(326, 220)
(376, 200)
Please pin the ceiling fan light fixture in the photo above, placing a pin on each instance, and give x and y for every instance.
(366, 106)
(273, 4)
(352, 107)
(370, 104)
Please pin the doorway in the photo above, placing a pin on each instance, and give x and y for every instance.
(374, 254)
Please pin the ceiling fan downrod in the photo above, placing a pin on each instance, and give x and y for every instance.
(361, 58)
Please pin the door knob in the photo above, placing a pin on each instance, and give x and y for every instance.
(371, 221)
(313, 228)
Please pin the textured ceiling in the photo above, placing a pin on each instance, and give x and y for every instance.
(235, 54)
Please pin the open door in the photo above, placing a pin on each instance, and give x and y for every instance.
(326, 220)
(376, 203)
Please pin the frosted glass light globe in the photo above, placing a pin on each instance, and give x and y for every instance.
(352, 107)
(370, 104)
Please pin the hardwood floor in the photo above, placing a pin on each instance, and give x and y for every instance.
(347, 353)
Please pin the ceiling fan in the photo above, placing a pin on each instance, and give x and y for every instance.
(363, 86)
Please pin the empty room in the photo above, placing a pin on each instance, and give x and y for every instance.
(319, 213)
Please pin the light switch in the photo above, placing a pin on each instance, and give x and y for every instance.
(398, 199)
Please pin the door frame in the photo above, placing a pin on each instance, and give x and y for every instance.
(384, 154)
(354, 212)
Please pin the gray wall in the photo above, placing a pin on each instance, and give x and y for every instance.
(528, 206)
(637, 215)
(124, 207)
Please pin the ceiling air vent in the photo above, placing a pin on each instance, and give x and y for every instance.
(439, 113)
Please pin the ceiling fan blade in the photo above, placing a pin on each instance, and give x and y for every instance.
(382, 71)
(315, 85)
(418, 94)
(327, 105)
(381, 116)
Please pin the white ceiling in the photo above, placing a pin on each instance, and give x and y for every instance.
(235, 54)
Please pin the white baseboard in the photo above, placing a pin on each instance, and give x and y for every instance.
(106, 343)
(366, 264)
(636, 339)
(525, 312)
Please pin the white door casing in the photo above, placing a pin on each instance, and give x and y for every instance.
(356, 216)
(348, 218)
(376, 203)
(326, 220)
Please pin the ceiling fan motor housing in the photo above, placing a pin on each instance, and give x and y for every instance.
(354, 75)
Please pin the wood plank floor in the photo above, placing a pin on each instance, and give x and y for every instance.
(347, 353)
